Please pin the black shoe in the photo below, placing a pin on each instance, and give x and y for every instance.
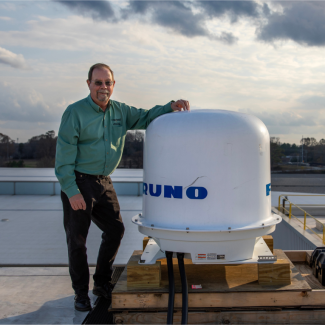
(82, 302)
(103, 291)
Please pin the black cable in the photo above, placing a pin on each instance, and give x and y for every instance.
(171, 297)
(180, 257)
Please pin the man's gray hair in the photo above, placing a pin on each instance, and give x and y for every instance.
(99, 66)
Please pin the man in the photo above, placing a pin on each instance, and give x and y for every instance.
(89, 148)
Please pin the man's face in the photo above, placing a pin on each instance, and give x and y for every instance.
(99, 91)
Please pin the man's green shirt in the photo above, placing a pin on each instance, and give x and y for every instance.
(91, 141)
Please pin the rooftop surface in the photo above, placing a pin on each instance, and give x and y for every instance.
(31, 233)
(32, 237)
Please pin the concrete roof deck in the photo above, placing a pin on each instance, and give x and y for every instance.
(33, 234)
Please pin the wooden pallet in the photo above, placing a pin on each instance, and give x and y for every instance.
(227, 297)
(154, 276)
(276, 316)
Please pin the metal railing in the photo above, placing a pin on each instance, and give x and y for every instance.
(283, 210)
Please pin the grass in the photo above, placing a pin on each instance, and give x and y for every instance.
(30, 163)
(299, 169)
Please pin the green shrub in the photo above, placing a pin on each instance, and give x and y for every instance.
(14, 163)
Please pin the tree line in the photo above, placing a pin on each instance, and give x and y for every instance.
(42, 148)
(309, 151)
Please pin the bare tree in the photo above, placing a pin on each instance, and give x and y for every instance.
(133, 150)
(7, 147)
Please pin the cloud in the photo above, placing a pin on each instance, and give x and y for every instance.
(290, 124)
(302, 22)
(289, 118)
(177, 16)
(233, 9)
(152, 65)
(180, 18)
(23, 104)
(12, 59)
(76, 33)
(313, 102)
(96, 9)
(226, 37)
(5, 18)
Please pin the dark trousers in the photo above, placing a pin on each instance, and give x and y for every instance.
(104, 210)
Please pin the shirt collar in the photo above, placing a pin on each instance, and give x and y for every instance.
(95, 106)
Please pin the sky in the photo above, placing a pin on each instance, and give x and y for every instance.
(257, 57)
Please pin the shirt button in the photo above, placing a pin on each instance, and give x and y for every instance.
(107, 152)
(105, 126)
(106, 139)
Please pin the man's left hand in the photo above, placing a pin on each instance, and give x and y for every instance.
(180, 105)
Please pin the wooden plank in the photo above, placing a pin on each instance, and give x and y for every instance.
(269, 242)
(277, 273)
(214, 278)
(143, 276)
(220, 299)
(216, 291)
(296, 256)
(230, 275)
(145, 242)
(281, 255)
(226, 317)
(233, 275)
(308, 257)
(307, 273)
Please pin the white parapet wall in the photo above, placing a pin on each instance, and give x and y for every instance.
(42, 181)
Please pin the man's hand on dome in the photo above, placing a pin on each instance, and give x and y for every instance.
(180, 105)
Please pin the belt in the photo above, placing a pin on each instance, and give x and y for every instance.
(90, 175)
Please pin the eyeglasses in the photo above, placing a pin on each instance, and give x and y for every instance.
(107, 83)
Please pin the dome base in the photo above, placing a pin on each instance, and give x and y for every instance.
(231, 252)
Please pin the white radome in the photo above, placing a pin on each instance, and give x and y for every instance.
(206, 185)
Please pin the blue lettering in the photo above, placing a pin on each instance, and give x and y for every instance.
(197, 193)
(193, 193)
(158, 190)
(145, 188)
(176, 192)
(268, 189)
